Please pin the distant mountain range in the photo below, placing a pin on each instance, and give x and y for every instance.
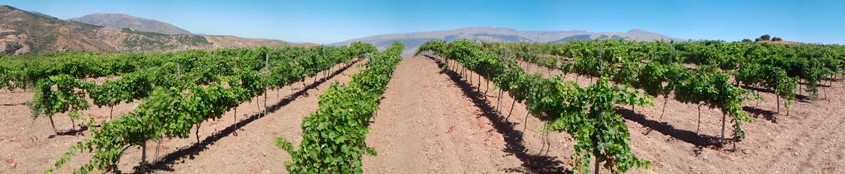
(125, 21)
(27, 32)
(413, 40)
(24, 32)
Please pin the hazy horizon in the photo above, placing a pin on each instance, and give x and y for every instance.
(336, 21)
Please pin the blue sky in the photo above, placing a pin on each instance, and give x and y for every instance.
(324, 21)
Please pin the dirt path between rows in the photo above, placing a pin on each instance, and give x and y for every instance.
(432, 122)
(253, 149)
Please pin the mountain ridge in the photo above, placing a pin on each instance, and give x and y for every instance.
(413, 40)
(120, 20)
(23, 32)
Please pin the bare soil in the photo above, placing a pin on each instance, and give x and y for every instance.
(806, 141)
(425, 124)
(449, 122)
(245, 144)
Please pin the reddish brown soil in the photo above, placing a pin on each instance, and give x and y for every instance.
(433, 122)
(225, 147)
(806, 141)
(426, 125)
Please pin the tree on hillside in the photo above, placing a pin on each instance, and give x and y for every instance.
(746, 40)
(765, 37)
(777, 39)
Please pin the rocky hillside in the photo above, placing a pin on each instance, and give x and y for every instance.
(24, 32)
(126, 21)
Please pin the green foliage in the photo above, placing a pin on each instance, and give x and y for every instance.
(698, 72)
(765, 37)
(333, 136)
(596, 127)
(769, 77)
(59, 94)
(587, 114)
(21, 72)
(359, 49)
(209, 85)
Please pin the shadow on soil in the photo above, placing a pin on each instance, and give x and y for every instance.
(699, 140)
(798, 97)
(531, 163)
(757, 112)
(70, 132)
(13, 104)
(166, 162)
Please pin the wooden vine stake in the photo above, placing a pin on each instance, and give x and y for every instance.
(179, 70)
(601, 113)
(665, 101)
(235, 120)
(597, 164)
(777, 96)
(143, 156)
(56, 131)
(266, 70)
(596, 170)
(499, 101)
(197, 133)
(724, 116)
(697, 129)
